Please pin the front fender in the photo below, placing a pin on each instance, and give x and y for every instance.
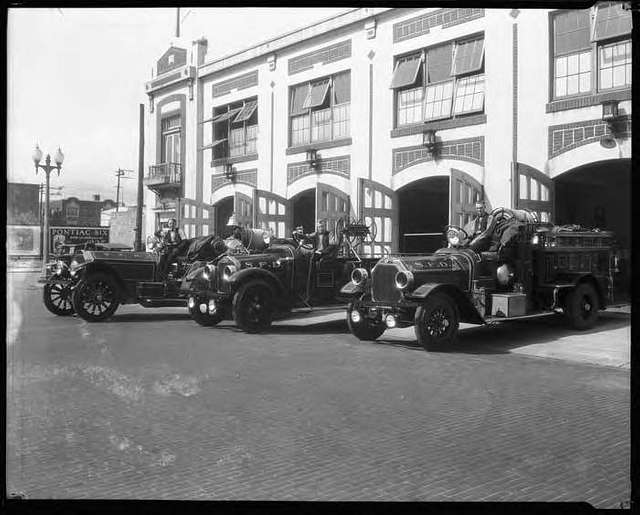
(351, 290)
(468, 312)
(422, 291)
(256, 273)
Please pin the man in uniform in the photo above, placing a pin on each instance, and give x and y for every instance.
(171, 239)
(480, 221)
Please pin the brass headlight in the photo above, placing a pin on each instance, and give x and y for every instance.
(228, 271)
(404, 280)
(453, 237)
(359, 276)
(504, 274)
(208, 270)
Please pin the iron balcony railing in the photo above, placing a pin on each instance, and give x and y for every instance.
(165, 173)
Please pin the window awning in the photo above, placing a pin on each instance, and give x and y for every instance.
(208, 120)
(406, 73)
(571, 31)
(225, 116)
(439, 61)
(214, 144)
(468, 57)
(246, 112)
(317, 94)
(611, 21)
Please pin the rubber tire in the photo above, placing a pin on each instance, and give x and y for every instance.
(573, 309)
(204, 319)
(77, 293)
(437, 301)
(365, 330)
(49, 304)
(240, 299)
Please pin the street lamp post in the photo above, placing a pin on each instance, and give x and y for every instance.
(48, 168)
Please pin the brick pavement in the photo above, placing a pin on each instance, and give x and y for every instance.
(150, 407)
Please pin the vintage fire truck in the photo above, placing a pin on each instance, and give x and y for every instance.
(517, 268)
(286, 278)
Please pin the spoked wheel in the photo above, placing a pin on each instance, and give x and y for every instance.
(581, 306)
(252, 307)
(96, 298)
(362, 327)
(205, 319)
(57, 299)
(436, 322)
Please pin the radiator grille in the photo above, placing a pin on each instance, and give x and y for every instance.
(383, 280)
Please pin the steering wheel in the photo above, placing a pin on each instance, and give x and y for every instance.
(299, 238)
(305, 244)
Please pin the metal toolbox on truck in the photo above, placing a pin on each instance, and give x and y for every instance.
(508, 305)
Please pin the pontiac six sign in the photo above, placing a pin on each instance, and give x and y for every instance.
(61, 235)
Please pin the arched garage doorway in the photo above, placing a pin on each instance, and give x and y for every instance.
(223, 210)
(304, 210)
(599, 195)
(423, 212)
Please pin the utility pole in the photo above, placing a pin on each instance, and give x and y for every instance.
(138, 233)
(178, 23)
(120, 173)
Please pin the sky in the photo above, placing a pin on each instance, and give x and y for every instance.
(75, 79)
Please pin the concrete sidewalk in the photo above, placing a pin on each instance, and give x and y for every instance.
(607, 344)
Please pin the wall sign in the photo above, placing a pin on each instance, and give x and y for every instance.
(62, 235)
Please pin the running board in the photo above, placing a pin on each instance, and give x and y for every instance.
(335, 307)
(492, 320)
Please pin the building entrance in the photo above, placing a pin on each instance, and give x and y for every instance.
(304, 210)
(598, 195)
(223, 210)
(423, 213)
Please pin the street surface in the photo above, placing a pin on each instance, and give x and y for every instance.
(152, 406)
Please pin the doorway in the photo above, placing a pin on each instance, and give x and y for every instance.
(304, 210)
(423, 214)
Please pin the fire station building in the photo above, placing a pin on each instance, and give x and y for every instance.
(402, 118)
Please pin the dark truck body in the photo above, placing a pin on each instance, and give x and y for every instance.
(284, 278)
(102, 280)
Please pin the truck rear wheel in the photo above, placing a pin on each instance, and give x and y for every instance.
(437, 322)
(581, 306)
(253, 307)
(365, 329)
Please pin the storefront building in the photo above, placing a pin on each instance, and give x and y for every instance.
(401, 118)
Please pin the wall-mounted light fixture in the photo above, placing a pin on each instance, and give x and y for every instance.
(610, 112)
(429, 140)
(229, 171)
(312, 158)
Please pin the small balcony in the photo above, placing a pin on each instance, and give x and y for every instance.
(164, 178)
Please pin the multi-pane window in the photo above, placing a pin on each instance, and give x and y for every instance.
(320, 110)
(235, 129)
(170, 127)
(578, 36)
(614, 64)
(440, 82)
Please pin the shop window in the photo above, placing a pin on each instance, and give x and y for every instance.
(440, 82)
(319, 110)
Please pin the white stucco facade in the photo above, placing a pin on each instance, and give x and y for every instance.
(523, 128)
